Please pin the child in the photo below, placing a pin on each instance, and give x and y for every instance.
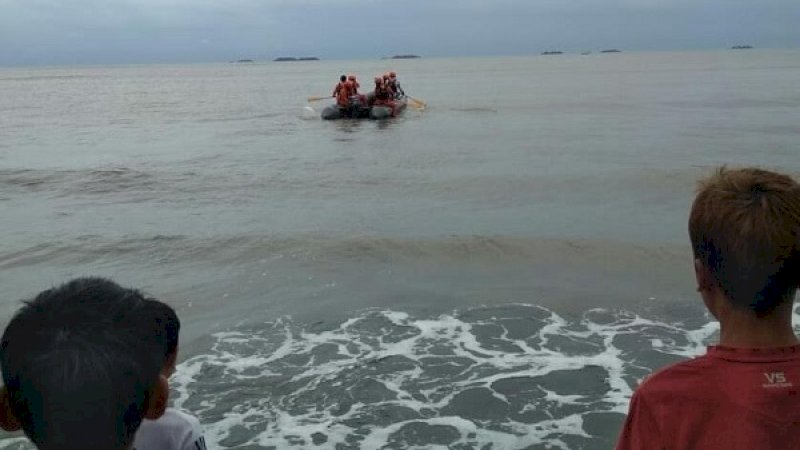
(82, 367)
(175, 429)
(743, 393)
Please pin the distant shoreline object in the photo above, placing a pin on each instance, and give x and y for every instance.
(292, 58)
(741, 47)
(405, 57)
(611, 50)
(244, 61)
(552, 52)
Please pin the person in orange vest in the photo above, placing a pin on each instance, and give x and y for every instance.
(352, 78)
(387, 84)
(339, 86)
(361, 98)
(395, 85)
(382, 95)
(343, 93)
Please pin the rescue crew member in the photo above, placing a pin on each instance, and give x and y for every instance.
(339, 85)
(343, 94)
(382, 94)
(352, 78)
(361, 98)
(387, 84)
(395, 85)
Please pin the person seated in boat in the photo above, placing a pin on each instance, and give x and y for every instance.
(382, 94)
(352, 79)
(395, 85)
(387, 83)
(361, 98)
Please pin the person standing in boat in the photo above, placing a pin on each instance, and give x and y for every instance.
(339, 86)
(395, 85)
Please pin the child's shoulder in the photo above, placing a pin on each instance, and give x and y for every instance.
(175, 429)
(178, 418)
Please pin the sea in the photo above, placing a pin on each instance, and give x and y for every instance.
(498, 270)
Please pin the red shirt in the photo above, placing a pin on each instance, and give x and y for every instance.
(726, 399)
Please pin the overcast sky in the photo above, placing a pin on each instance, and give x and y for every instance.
(141, 31)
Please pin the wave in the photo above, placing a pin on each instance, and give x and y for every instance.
(192, 183)
(47, 77)
(508, 376)
(135, 185)
(330, 248)
(89, 181)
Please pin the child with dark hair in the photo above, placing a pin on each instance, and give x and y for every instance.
(82, 366)
(744, 227)
(175, 429)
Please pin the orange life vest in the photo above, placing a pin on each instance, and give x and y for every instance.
(343, 93)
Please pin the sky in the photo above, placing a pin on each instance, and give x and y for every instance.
(50, 32)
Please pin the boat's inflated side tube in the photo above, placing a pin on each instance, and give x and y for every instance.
(384, 111)
(380, 112)
(331, 112)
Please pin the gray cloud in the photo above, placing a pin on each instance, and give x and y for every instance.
(120, 31)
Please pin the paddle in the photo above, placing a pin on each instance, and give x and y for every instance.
(417, 103)
(316, 99)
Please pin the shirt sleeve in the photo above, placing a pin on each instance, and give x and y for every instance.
(640, 431)
(195, 439)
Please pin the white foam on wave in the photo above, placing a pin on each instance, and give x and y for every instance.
(386, 379)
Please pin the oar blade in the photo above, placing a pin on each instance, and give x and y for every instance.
(418, 102)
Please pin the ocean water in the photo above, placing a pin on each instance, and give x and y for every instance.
(497, 271)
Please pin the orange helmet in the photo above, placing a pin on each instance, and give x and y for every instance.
(392, 75)
(386, 76)
(378, 80)
(351, 77)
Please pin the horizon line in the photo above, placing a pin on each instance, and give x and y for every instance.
(271, 59)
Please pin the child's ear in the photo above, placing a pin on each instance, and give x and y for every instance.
(157, 400)
(170, 363)
(8, 420)
(703, 276)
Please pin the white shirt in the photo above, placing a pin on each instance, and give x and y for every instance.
(175, 430)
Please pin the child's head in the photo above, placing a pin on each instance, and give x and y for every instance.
(82, 366)
(745, 232)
